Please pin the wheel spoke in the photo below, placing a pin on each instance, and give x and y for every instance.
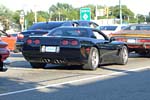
(94, 58)
(125, 55)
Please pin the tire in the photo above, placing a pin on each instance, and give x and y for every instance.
(93, 59)
(37, 65)
(123, 55)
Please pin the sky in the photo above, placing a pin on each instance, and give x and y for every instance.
(137, 6)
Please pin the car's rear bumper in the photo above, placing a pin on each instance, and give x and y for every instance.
(72, 57)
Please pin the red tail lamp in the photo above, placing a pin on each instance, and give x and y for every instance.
(65, 42)
(74, 42)
(29, 41)
(20, 36)
(37, 41)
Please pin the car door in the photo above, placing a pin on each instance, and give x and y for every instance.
(107, 49)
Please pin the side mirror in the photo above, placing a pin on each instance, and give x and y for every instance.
(112, 39)
(93, 36)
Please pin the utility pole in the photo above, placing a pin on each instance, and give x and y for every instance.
(96, 12)
(35, 13)
(22, 20)
(120, 7)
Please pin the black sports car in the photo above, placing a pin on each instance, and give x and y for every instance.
(42, 28)
(84, 46)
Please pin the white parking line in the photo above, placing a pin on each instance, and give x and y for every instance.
(74, 81)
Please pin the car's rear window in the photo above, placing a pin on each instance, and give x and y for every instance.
(70, 32)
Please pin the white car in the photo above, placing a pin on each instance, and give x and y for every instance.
(109, 29)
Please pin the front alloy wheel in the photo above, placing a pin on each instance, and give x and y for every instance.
(93, 59)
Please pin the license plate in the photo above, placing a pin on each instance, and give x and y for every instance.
(50, 49)
(131, 41)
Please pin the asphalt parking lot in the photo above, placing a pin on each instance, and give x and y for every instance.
(128, 82)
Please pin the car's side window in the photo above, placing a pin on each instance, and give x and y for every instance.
(98, 35)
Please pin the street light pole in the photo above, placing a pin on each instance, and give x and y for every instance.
(96, 12)
(120, 7)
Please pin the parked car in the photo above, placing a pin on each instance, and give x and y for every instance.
(109, 29)
(42, 28)
(137, 37)
(74, 46)
(4, 54)
(10, 39)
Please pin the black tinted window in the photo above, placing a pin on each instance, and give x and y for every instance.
(108, 27)
(45, 26)
(70, 32)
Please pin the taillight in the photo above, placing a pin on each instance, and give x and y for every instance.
(20, 36)
(143, 40)
(65, 42)
(36, 41)
(69, 42)
(29, 41)
(74, 42)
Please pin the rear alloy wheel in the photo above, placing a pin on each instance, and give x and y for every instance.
(93, 59)
(37, 65)
(123, 55)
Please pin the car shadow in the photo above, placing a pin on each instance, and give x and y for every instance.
(64, 67)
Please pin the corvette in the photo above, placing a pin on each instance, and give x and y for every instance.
(83, 46)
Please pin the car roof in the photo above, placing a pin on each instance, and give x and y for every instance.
(49, 25)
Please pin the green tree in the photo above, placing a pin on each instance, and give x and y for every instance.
(141, 18)
(62, 11)
(29, 18)
(127, 14)
(5, 17)
(42, 16)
